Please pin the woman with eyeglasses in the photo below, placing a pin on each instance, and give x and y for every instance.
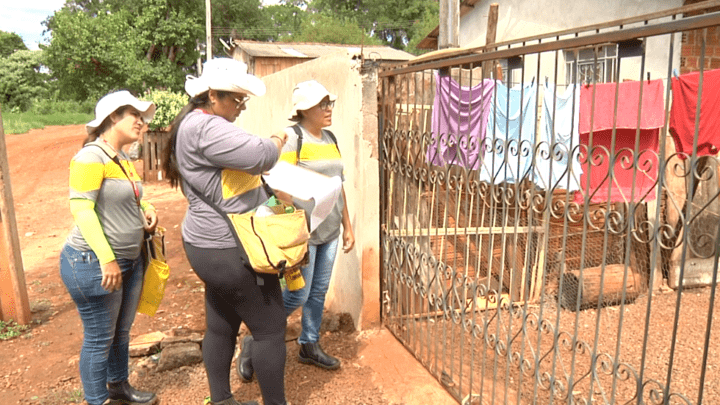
(101, 263)
(215, 161)
(312, 147)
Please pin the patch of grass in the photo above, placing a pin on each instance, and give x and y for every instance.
(75, 396)
(20, 123)
(11, 329)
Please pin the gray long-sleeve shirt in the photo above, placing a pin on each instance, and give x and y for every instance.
(223, 162)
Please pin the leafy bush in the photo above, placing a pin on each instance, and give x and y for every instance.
(168, 105)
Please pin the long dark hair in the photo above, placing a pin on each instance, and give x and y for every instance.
(169, 163)
(104, 126)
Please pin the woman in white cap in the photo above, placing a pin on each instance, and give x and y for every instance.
(101, 263)
(314, 148)
(218, 164)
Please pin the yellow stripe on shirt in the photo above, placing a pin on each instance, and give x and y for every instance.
(289, 157)
(319, 152)
(236, 182)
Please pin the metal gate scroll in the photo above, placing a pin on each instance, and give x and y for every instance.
(531, 255)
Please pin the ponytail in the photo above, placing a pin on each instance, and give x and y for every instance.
(169, 163)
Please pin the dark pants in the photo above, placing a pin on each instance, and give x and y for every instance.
(232, 296)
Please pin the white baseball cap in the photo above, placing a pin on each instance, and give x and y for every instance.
(111, 102)
(307, 95)
(224, 74)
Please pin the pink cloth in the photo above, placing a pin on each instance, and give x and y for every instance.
(596, 180)
(459, 121)
(682, 114)
(653, 111)
(619, 188)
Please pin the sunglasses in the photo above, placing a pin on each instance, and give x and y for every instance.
(240, 103)
(326, 105)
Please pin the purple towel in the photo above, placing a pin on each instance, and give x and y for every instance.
(459, 122)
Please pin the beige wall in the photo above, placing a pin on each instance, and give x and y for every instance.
(355, 284)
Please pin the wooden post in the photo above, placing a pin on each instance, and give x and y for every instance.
(490, 38)
(14, 302)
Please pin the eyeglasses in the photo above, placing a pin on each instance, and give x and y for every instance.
(240, 103)
(327, 105)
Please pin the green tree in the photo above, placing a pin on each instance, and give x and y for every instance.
(395, 22)
(323, 28)
(239, 19)
(21, 81)
(9, 43)
(284, 21)
(99, 46)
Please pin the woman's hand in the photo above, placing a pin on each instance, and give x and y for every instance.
(279, 139)
(348, 239)
(111, 276)
(284, 197)
(151, 221)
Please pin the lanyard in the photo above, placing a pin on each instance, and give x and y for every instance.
(114, 158)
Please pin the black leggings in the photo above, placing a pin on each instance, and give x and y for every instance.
(232, 296)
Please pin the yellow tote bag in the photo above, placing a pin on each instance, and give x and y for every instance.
(273, 243)
(156, 273)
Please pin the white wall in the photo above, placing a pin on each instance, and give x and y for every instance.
(523, 18)
(357, 136)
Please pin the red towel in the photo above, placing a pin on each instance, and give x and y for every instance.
(653, 111)
(682, 114)
(619, 187)
(597, 181)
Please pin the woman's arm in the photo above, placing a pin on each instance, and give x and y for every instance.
(227, 146)
(348, 235)
(86, 218)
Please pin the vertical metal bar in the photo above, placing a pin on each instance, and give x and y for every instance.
(543, 289)
(708, 329)
(687, 219)
(630, 226)
(657, 245)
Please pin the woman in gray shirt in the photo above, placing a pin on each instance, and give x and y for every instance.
(210, 156)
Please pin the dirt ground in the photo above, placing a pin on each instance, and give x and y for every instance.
(41, 366)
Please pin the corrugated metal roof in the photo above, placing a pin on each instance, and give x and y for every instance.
(311, 51)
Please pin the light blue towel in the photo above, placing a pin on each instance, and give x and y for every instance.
(510, 136)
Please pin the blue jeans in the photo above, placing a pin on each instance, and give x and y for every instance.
(312, 297)
(106, 317)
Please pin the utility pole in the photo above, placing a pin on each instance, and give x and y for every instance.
(449, 24)
(208, 29)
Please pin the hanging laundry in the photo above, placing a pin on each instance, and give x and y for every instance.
(511, 135)
(682, 113)
(459, 120)
(559, 140)
(616, 185)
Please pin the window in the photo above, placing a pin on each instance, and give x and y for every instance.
(581, 66)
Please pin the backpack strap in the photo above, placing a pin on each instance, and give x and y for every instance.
(299, 133)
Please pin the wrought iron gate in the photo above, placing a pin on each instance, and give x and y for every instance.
(529, 259)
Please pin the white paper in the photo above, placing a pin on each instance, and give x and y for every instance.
(306, 185)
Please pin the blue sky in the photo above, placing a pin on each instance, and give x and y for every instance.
(25, 17)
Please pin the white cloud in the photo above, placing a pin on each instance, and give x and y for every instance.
(25, 18)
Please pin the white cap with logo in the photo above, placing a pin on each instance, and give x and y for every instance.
(307, 95)
(111, 102)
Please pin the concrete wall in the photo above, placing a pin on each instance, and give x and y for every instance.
(355, 282)
(522, 18)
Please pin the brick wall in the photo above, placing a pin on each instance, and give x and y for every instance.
(691, 46)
